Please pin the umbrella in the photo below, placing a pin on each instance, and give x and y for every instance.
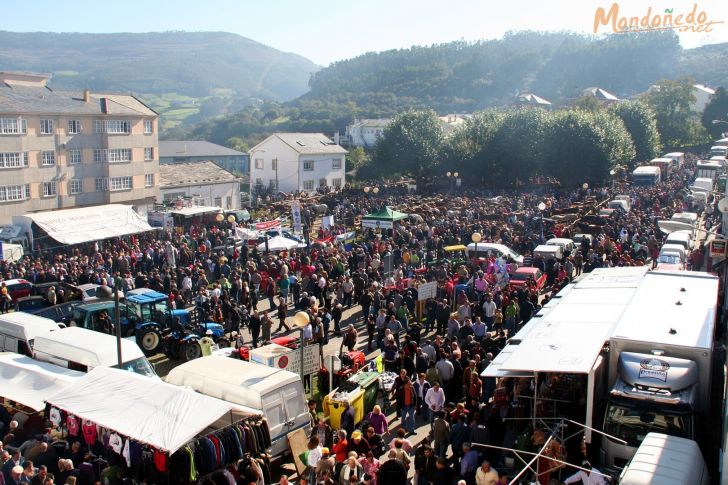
(280, 243)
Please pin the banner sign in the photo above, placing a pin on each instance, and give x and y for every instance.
(264, 226)
(296, 216)
(376, 224)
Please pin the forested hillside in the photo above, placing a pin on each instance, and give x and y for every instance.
(464, 77)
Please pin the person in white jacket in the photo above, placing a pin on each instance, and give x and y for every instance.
(435, 401)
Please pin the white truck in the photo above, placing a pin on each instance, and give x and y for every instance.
(660, 362)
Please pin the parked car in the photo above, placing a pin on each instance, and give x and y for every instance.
(18, 288)
(31, 304)
(61, 313)
(522, 275)
(70, 292)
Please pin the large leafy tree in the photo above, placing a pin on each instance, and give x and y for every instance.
(641, 123)
(410, 144)
(672, 101)
(517, 147)
(717, 109)
(582, 146)
(469, 148)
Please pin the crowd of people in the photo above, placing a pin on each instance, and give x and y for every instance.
(368, 288)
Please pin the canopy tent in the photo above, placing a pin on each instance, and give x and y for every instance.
(383, 218)
(153, 412)
(196, 210)
(29, 382)
(86, 224)
(280, 243)
(246, 234)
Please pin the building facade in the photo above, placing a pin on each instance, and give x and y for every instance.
(203, 182)
(288, 162)
(365, 133)
(61, 149)
(202, 151)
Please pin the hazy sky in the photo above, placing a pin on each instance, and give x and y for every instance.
(326, 31)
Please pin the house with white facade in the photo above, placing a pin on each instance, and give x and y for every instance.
(702, 93)
(286, 162)
(601, 95)
(205, 183)
(365, 133)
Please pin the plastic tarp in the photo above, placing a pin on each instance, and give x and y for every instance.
(29, 382)
(280, 243)
(86, 224)
(161, 415)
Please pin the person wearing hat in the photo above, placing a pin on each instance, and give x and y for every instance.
(358, 444)
(588, 476)
(206, 343)
(325, 466)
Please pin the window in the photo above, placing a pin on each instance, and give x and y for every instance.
(336, 183)
(174, 196)
(13, 159)
(228, 202)
(47, 158)
(336, 164)
(218, 202)
(113, 127)
(74, 127)
(101, 184)
(148, 154)
(322, 183)
(46, 127)
(13, 126)
(49, 189)
(308, 165)
(308, 185)
(274, 164)
(149, 180)
(112, 155)
(273, 184)
(74, 157)
(75, 186)
(148, 127)
(258, 181)
(10, 193)
(120, 183)
(259, 164)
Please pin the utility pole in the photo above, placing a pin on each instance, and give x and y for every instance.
(117, 318)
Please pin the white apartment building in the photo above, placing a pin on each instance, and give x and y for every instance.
(287, 162)
(365, 133)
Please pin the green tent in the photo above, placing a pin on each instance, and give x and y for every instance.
(382, 219)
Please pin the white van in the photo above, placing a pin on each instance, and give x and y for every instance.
(83, 349)
(548, 252)
(567, 245)
(486, 250)
(686, 218)
(702, 184)
(666, 460)
(718, 151)
(677, 157)
(277, 393)
(19, 329)
(682, 238)
(719, 160)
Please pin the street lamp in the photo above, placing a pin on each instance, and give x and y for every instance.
(612, 173)
(366, 190)
(451, 176)
(375, 190)
(301, 320)
(476, 238)
(541, 208)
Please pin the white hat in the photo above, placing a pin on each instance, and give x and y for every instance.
(208, 332)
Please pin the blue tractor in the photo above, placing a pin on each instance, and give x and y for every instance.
(180, 330)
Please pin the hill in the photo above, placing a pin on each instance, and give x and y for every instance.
(183, 74)
(462, 77)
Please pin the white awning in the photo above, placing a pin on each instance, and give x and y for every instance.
(29, 382)
(280, 243)
(196, 210)
(86, 224)
(150, 411)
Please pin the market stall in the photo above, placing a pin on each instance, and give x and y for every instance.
(382, 219)
(163, 423)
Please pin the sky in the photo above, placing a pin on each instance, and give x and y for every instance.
(326, 31)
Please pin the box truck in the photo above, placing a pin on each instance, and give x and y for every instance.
(660, 362)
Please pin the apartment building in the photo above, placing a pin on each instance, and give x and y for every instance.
(64, 149)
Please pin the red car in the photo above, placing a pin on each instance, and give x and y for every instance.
(522, 275)
(18, 288)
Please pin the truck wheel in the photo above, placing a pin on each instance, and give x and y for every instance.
(191, 351)
(149, 340)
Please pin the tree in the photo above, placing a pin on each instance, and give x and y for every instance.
(641, 123)
(717, 109)
(356, 158)
(237, 143)
(410, 144)
(588, 102)
(672, 101)
(580, 146)
(517, 147)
